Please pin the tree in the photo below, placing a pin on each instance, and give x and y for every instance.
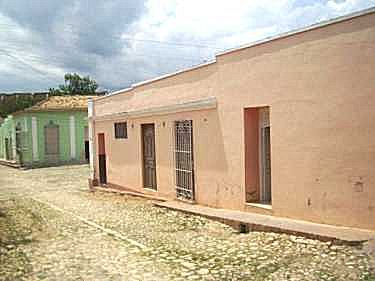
(75, 85)
(15, 102)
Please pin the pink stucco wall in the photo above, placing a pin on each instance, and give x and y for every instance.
(320, 88)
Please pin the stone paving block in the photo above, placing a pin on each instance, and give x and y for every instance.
(178, 246)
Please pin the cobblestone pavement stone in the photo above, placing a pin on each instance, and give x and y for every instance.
(40, 242)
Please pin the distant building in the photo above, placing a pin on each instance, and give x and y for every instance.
(52, 132)
(283, 127)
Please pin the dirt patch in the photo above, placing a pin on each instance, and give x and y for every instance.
(19, 226)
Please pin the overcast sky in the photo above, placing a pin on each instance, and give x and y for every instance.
(119, 42)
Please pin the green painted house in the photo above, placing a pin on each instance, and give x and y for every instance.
(52, 132)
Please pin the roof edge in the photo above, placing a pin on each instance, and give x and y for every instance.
(253, 44)
(301, 30)
(48, 110)
(193, 105)
(32, 109)
(161, 77)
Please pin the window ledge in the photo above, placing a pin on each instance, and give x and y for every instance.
(192, 202)
(260, 205)
(150, 189)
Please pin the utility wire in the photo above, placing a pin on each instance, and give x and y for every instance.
(164, 58)
(26, 64)
(153, 41)
(58, 60)
(145, 74)
(170, 43)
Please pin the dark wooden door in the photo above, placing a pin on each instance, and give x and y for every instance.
(149, 158)
(102, 159)
(8, 148)
(87, 151)
(87, 144)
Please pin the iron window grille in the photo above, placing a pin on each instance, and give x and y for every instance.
(184, 163)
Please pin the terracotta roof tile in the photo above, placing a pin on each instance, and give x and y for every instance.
(60, 103)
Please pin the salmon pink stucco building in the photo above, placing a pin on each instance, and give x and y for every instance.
(284, 127)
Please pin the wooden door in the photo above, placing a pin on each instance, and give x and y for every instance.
(102, 159)
(51, 137)
(149, 157)
(19, 143)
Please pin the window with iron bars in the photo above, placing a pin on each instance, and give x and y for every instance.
(184, 165)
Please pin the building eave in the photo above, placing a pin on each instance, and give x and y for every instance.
(48, 110)
(300, 30)
(145, 82)
(202, 104)
(253, 44)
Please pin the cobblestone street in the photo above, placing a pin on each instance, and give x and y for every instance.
(53, 228)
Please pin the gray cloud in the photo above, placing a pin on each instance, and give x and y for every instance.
(73, 34)
(40, 40)
(95, 26)
(99, 24)
(37, 15)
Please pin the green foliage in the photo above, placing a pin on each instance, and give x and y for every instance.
(76, 85)
(17, 102)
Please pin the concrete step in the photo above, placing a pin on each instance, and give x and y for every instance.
(259, 222)
(128, 192)
(9, 163)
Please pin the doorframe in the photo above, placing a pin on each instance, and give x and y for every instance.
(143, 158)
(264, 122)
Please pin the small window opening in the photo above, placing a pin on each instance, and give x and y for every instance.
(121, 130)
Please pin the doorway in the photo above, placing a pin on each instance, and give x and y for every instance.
(19, 143)
(87, 151)
(87, 144)
(102, 159)
(257, 133)
(149, 156)
(8, 149)
(51, 138)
